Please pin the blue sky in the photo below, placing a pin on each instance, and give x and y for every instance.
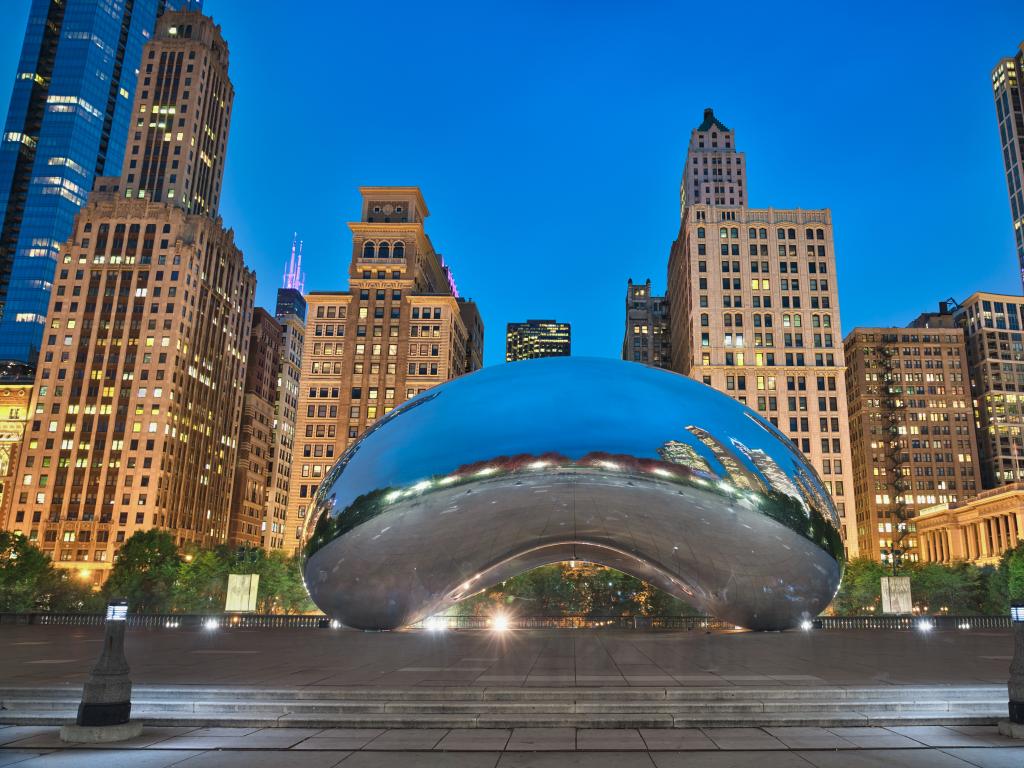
(549, 140)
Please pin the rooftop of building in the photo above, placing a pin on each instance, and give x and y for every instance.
(711, 121)
(991, 496)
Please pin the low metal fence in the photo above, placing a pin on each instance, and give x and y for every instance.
(653, 623)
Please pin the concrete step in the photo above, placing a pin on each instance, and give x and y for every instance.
(535, 720)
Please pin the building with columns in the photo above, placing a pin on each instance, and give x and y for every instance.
(911, 430)
(399, 329)
(978, 530)
(647, 335)
(140, 383)
(1008, 91)
(754, 309)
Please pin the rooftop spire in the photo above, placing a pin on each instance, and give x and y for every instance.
(293, 274)
(711, 120)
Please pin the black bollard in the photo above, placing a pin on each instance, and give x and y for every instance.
(104, 715)
(1014, 727)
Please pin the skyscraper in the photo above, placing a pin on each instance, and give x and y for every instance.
(754, 308)
(537, 338)
(398, 330)
(282, 530)
(647, 337)
(911, 430)
(1008, 90)
(250, 504)
(992, 324)
(67, 123)
(140, 380)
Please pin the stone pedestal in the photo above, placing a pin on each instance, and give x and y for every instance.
(105, 711)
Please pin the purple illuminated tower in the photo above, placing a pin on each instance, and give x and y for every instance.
(293, 274)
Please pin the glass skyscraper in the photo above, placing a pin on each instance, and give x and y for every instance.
(67, 123)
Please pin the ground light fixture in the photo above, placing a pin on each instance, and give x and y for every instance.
(499, 622)
(211, 624)
(924, 625)
(806, 625)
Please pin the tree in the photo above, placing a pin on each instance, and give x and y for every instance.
(26, 574)
(861, 589)
(145, 572)
(281, 588)
(202, 582)
(955, 589)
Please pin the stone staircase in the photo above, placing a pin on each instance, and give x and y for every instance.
(483, 707)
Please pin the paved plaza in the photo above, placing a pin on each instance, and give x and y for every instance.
(609, 658)
(614, 665)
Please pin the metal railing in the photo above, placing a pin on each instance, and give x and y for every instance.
(650, 623)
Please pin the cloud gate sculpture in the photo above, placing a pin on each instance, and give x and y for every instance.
(525, 464)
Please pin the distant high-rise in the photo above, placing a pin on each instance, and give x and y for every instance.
(911, 430)
(250, 504)
(141, 377)
(715, 173)
(67, 123)
(647, 338)
(537, 338)
(754, 308)
(283, 529)
(1008, 88)
(992, 324)
(398, 330)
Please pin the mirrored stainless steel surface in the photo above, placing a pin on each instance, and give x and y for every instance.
(543, 461)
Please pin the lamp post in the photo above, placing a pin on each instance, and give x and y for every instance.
(1014, 727)
(104, 714)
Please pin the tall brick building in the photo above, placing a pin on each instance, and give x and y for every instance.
(754, 308)
(911, 430)
(398, 330)
(139, 388)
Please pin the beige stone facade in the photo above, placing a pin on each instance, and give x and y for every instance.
(911, 431)
(16, 406)
(647, 337)
(139, 386)
(754, 310)
(250, 505)
(398, 330)
(978, 530)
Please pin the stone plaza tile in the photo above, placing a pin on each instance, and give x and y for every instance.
(873, 737)
(676, 739)
(265, 738)
(478, 739)
(151, 735)
(748, 759)
(884, 758)
(809, 738)
(743, 738)
(609, 739)
(989, 757)
(420, 760)
(258, 759)
(576, 760)
(404, 739)
(10, 757)
(941, 736)
(536, 739)
(109, 758)
(19, 732)
(987, 733)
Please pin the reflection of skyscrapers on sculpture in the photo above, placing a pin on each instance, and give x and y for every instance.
(734, 469)
(686, 455)
(775, 478)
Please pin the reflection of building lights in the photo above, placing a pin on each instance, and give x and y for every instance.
(422, 485)
(609, 465)
(662, 472)
(448, 480)
(538, 464)
(487, 471)
(393, 496)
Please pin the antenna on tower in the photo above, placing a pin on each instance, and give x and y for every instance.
(293, 274)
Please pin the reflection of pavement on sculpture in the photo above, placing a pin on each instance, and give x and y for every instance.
(718, 553)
